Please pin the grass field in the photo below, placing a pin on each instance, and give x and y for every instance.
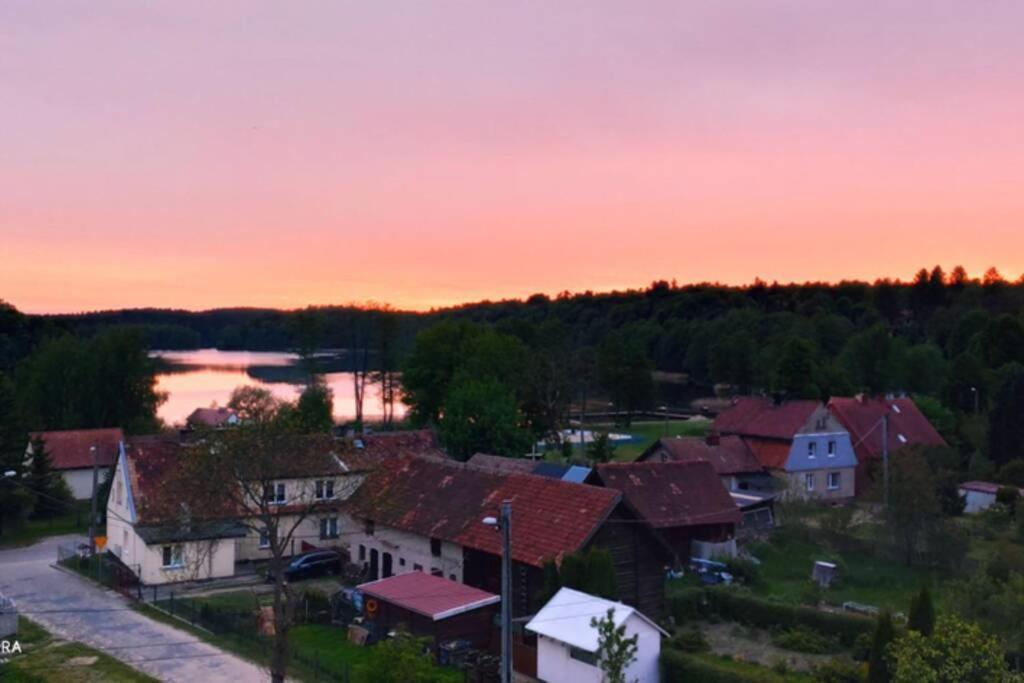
(645, 433)
(786, 571)
(36, 529)
(46, 659)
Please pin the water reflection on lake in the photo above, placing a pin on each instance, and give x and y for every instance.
(198, 379)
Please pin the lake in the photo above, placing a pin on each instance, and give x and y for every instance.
(198, 379)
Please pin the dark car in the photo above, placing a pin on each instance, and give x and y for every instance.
(309, 565)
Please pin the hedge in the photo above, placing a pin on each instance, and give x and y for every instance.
(677, 667)
(734, 605)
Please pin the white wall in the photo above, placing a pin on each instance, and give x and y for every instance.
(976, 501)
(554, 664)
(412, 548)
(80, 481)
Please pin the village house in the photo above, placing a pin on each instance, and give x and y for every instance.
(567, 642)
(799, 442)
(211, 418)
(905, 425)
(683, 502)
(980, 495)
(730, 456)
(418, 514)
(71, 455)
(161, 541)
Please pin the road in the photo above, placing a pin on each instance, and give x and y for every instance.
(73, 608)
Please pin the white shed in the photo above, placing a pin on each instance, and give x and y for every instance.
(979, 495)
(567, 643)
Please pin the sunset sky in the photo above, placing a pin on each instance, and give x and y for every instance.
(205, 154)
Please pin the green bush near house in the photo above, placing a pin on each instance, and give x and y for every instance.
(738, 605)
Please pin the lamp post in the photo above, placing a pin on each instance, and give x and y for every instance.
(504, 526)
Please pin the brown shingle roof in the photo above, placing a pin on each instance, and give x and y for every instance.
(672, 494)
(861, 417)
(69, 450)
(728, 455)
(762, 417)
(550, 518)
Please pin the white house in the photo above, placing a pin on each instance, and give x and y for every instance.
(979, 495)
(71, 454)
(567, 644)
(161, 542)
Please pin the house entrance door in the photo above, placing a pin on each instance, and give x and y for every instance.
(374, 564)
(387, 566)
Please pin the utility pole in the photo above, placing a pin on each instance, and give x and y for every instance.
(92, 508)
(506, 592)
(885, 457)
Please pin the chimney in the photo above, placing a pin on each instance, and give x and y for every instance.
(712, 439)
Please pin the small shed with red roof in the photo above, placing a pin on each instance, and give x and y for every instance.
(431, 606)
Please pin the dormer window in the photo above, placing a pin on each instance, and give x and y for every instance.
(831, 448)
(324, 489)
(812, 449)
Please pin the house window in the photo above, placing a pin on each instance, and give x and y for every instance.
(452, 577)
(368, 527)
(812, 449)
(417, 567)
(362, 553)
(274, 493)
(831, 448)
(401, 562)
(172, 556)
(264, 539)
(435, 547)
(434, 571)
(119, 492)
(809, 481)
(324, 489)
(329, 527)
(581, 655)
(833, 481)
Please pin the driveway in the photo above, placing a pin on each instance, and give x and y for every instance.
(72, 608)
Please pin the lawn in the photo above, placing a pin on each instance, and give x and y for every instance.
(647, 432)
(35, 529)
(47, 659)
(786, 570)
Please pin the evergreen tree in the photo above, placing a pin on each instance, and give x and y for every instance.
(15, 501)
(922, 613)
(600, 573)
(552, 582)
(53, 498)
(600, 449)
(878, 665)
(1006, 428)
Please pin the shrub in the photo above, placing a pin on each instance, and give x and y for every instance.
(800, 639)
(838, 671)
(687, 604)
(690, 639)
(1007, 495)
(677, 667)
(861, 650)
(745, 571)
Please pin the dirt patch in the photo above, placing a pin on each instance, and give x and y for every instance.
(754, 645)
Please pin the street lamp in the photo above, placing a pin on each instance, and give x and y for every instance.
(504, 525)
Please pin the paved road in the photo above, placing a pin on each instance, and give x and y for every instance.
(75, 609)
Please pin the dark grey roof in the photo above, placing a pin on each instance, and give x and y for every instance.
(201, 532)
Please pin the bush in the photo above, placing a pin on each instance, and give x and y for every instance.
(744, 570)
(737, 606)
(690, 639)
(677, 667)
(687, 604)
(315, 606)
(1007, 495)
(839, 671)
(800, 639)
(862, 647)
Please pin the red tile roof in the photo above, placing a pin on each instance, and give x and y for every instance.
(210, 417)
(419, 443)
(502, 463)
(672, 494)
(771, 453)
(150, 462)
(69, 450)
(861, 417)
(432, 596)
(728, 455)
(446, 500)
(758, 416)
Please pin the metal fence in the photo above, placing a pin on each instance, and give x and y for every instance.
(8, 617)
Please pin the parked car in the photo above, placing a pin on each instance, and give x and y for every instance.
(309, 565)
